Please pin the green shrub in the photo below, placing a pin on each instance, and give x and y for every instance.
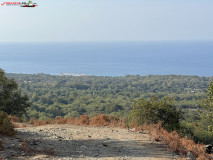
(203, 136)
(196, 132)
(206, 112)
(154, 110)
(6, 127)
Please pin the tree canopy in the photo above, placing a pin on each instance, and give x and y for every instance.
(11, 99)
(207, 111)
(55, 95)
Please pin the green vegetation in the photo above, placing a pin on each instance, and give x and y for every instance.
(6, 127)
(153, 111)
(70, 96)
(207, 112)
(11, 100)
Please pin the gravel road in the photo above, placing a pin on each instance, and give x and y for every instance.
(78, 142)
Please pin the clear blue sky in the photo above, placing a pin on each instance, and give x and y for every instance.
(108, 20)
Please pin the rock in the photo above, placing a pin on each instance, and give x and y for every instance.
(190, 156)
(83, 147)
(12, 153)
(34, 142)
(133, 129)
(23, 154)
(59, 137)
(96, 155)
(209, 148)
(105, 145)
(13, 145)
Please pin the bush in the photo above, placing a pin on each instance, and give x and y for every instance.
(6, 127)
(99, 120)
(153, 110)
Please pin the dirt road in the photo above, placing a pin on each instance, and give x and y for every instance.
(78, 142)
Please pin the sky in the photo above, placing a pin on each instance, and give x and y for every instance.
(108, 20)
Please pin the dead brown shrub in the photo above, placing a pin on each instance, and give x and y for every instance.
(117, 122)
(99, 120)
(73, 121)
(14, 118)
(176, 143)
(24, 125)
(49, 121)
(133, 124)
(84, 120)
(38, 123)
(15, 125)
(60, 120)
(32, 121)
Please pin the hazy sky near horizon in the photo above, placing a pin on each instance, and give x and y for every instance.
(108, 20)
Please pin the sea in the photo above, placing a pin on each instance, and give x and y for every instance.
(109, 58)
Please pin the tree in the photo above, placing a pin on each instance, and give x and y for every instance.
(11, 99)
(207, 112)
(154, 110)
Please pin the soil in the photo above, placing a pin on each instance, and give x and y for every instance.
(63, 142)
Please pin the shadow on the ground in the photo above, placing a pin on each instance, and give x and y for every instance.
(96, 147)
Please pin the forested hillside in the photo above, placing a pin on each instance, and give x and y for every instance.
(71, 96)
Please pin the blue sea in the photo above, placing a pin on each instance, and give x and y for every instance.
(109, 58)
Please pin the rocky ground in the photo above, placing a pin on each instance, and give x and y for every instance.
(79, 142)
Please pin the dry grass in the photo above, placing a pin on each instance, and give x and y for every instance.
(23, 125)
(14, 118)
(84, 120)
(176, 143)
(60, 120)
(100, 120)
